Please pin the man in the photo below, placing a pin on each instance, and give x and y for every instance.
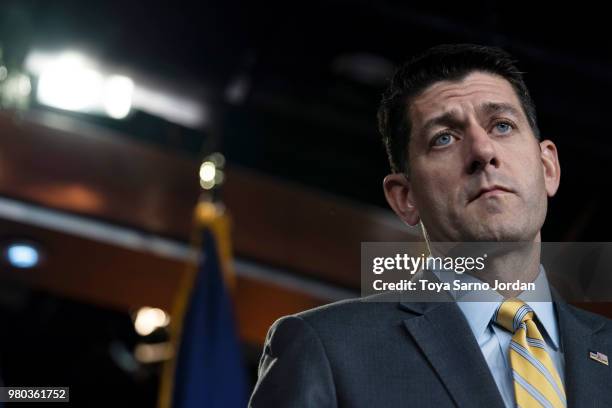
(468, 165)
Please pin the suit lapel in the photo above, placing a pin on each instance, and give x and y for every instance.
(445, 338)
(586, 380)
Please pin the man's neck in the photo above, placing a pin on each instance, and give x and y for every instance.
(505, 262)
(517, 265)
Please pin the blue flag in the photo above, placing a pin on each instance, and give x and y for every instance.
(209, 370)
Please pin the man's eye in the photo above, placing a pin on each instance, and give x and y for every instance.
(443, 139)
(503, 127)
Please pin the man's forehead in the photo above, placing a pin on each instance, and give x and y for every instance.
(477, 89)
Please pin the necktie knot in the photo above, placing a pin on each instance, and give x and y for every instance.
(512, 314)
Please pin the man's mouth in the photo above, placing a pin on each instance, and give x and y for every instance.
(490, 192)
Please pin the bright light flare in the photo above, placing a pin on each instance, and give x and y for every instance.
(150, 318)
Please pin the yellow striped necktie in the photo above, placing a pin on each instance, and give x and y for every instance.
(536, 380)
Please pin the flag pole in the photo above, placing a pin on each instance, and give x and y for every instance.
(207, 215)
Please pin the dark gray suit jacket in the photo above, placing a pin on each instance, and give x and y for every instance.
(392, 354)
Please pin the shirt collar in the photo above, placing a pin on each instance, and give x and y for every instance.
(479, 306)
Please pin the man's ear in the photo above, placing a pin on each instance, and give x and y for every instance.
(550, 166)
(399, 195)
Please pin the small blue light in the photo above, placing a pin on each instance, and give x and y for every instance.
(22, 255)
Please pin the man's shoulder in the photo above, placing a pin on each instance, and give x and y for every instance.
(361, 307)
(576, 322)
(591, 318)
(349, 315)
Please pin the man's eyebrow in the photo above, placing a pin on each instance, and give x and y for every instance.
(491, 108)
(450, 118)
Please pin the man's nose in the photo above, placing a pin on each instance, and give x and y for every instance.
(481, 150)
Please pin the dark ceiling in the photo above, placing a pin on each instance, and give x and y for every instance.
(312, 74)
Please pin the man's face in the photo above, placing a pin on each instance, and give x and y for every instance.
(477, 173)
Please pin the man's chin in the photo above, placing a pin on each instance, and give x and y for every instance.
(495, 232)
